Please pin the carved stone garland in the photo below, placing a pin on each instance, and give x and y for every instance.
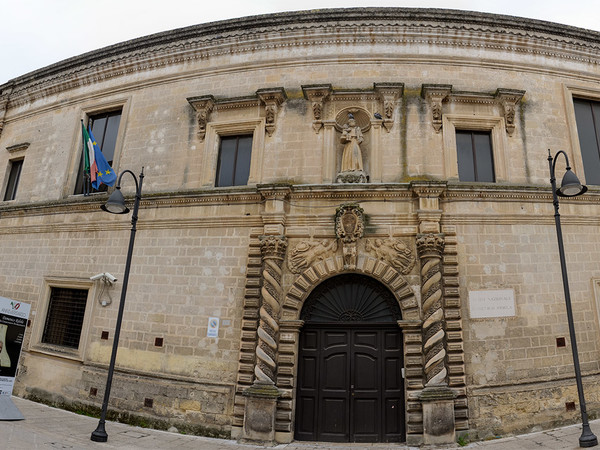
(431, 248)
(273, 251)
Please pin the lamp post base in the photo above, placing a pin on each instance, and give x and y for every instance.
(587, 438)
(99, 434)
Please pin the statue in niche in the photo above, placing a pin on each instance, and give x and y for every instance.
(352, 163)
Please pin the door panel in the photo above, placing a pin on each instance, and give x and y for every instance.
(350, 387)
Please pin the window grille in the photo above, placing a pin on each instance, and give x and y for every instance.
(64, 320)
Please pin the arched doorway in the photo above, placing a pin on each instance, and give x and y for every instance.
(349, 384)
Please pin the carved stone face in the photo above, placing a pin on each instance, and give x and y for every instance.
(351, 123)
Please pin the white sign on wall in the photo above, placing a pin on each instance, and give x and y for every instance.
(493, 303)
(213, 327)
(13, 321)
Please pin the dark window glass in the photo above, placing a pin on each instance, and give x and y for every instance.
(475, 157)
(65, 317)
(587, 115)
(233, 167)
(13, 179)
(104, 128)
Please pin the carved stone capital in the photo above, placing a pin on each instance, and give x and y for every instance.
(273, 247)
(203, 107)
(388, 94)
(272, 98)
(509, 98)
(430, 245)
(316, 95)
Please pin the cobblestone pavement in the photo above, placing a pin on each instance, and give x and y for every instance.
(50, 428)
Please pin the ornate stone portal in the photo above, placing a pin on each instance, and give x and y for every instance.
(434, 356)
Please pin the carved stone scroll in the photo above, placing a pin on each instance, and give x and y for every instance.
(393, 251)
(272, 98)
(203, 107)
(273, 252)
(388, 94)
(435, 94)
(431, 248)
(307, 252)
(508, 99)
(317, 94)
(349, 227)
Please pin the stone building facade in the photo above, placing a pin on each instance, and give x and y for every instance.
(346, 225)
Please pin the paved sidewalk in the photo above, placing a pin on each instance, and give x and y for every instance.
(50, 428)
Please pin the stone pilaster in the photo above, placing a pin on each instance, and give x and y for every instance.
(273, 252)
(431, 248)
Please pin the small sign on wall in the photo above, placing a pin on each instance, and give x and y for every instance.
(213, 327)
(493, 303)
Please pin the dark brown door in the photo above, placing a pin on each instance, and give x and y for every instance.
(350, 384)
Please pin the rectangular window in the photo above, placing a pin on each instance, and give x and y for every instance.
(233, 166)
(475, 157)
(64, 320)
(587, 116)
(13, 179)
(105, 128)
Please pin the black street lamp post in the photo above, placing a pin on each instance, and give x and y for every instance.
(116, 205)
(570, 187)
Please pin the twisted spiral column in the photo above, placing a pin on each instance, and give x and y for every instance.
(273, 252)
(431, 248)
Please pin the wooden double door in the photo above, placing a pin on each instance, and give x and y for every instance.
(350, 385)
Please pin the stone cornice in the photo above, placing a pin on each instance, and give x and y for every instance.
(309, 28)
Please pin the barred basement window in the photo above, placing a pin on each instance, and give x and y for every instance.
(66, 310)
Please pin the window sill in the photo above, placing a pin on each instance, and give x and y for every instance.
(57, 351)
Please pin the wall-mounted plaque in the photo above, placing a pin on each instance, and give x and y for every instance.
(493, 303)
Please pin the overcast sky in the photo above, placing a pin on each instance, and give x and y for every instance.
(37, 33)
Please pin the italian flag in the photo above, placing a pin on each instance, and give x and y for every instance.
(89, 158)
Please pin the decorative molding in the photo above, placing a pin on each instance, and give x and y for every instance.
(316, 95)
(307, 252)
(272, 98)
(509, 98)
(203, 107)
(388, 94)
(435, 94)
(17, 147)
(349, 227)
(394, 251)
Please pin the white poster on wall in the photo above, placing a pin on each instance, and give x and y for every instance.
(13, 322)
(492, 303)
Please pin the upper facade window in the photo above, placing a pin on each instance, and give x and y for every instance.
(233, 165)
(587, 116)
(13, 179)
(475, 156)
(105, 128)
